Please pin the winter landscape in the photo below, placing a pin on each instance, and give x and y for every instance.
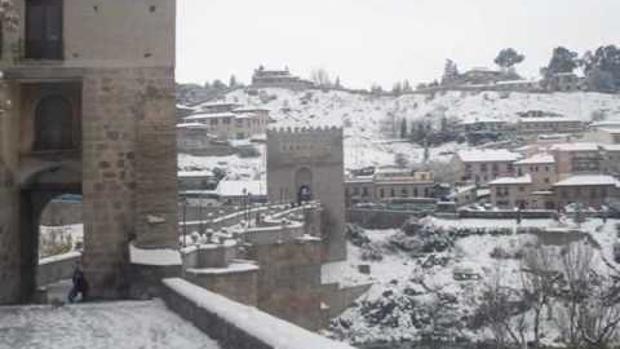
(328, 174)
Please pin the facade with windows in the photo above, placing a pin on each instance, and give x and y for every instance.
(482, 166)
(389, 184)
(587, 190)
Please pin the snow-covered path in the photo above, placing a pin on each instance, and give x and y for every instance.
(118, 325)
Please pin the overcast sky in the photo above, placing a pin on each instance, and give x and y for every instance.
(367, 41)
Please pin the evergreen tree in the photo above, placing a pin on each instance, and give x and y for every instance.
(450, 72)
(508, 57)
(406, 86)
(562, 60)
(403, 128)
(233, 81)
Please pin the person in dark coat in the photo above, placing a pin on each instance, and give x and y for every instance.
(80, 285)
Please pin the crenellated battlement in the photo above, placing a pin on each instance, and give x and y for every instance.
(287, 130)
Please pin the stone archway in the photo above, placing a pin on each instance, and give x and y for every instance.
(36, 192)
(303, 184)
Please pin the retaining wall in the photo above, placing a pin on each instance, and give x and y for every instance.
(237, 326)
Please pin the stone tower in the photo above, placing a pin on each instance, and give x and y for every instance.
(87, 107)
(310, 160)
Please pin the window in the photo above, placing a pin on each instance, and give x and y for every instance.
(392, 192)
(381, 193)
(521, 189)
(356, 191)
(54, 124)
(495, 167)
(483, 167)
(404, 192)
(44, 32)
(415, 192)
(364, 191)
(226, 121)
(213, 122)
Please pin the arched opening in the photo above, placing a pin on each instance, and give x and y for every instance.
(53, 124)
(303, 184)
(50, 232)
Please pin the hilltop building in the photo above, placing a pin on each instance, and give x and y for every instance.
(278, 78)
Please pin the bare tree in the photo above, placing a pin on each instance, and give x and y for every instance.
(539, 272)
(501, 311)
(321, 78)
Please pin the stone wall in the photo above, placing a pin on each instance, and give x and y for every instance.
(237, 284)
(289, 281)
(236, 326)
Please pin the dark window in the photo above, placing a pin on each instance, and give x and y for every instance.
(44, 29)
(364, 191)
(381, 193)
(54, 124)
(392, 192)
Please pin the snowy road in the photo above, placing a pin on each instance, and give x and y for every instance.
(121, 325)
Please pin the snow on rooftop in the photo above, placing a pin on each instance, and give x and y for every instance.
(610, 147)
(481, 119)
(192, 125)
(236, 188)
(581, 146)
(547, 119)
(587, 180)
(202, 116)
(541, 158)
(527, 179)
(161, 257)
(202, 173)
(488, 155)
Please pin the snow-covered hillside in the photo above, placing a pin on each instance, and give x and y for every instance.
(416, 293)
(372, 123)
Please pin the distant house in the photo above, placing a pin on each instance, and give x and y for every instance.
(589, 190)
(482, 76)
(511, 192)
(610, 157)
(541, 169)
(196, 180)
(192, 137)
(278, 78)
(605, 135)
(576, 158)
(484, 124)
(232, 125)
(549, 125)
(389, 183)
(481, 166)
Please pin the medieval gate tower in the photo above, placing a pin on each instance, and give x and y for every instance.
(87, 107)
(309, 161)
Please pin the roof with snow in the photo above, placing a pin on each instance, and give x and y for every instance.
(575, 147)
(527, 179)
(610, 147)
(537, 159)
(196, 125)
(186, 174)
(589, 180)
(201, 116)
(547, 119)
(237, 187)
(483, 120)
(488, 155)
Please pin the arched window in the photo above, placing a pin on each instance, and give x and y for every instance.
(53, 124)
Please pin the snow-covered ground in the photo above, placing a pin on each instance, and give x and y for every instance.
(121, 325)
(404, 281)
(372, 124)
